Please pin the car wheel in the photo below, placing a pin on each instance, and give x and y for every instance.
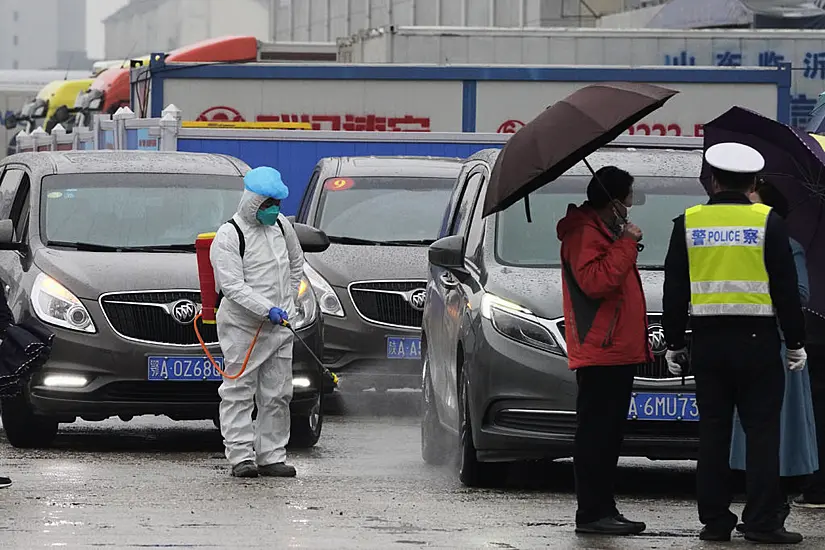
(305, 430)
(472, 472)
(24, 429)
(434, 444)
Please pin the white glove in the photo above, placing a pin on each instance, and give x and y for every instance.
(674, 359)
(796, 359)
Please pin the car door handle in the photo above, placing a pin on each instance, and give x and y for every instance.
(448, 280)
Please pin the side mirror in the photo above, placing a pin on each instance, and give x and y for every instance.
(311, 239)
(448, 252)
(11, 121)
(62, 114)
(7, 236)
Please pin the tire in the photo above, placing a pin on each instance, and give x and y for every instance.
(24, 429)
(305, 430)
(472, 472)
(435, 448)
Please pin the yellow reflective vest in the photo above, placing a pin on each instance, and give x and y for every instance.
(726, 255)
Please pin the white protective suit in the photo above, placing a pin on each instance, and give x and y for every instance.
(268, 276)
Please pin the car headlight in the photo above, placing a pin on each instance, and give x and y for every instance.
(306, 305)
(519, 324)
(330, 304)
(54, 304)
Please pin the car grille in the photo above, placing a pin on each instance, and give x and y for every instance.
(133, 316)
(383, 302)
(554, 423)
(161, 392)
(656, 370)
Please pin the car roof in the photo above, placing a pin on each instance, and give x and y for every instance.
(156, 162)
(639, 162)
(412, 166)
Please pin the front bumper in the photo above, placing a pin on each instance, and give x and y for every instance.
(523, 404)
(119, 386)
(356, 350)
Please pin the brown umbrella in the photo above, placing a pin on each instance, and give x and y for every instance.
(564, 134)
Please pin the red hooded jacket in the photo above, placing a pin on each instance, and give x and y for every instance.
(605, 314)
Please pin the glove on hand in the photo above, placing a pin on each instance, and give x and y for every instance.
(277, 316)
(675, 359)
(796, 359)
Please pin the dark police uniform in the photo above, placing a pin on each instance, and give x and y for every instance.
(735, 347)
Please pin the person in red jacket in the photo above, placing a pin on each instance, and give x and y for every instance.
(605, 319)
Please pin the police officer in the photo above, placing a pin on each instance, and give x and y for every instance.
(729, 267)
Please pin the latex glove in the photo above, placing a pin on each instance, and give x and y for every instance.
(675, 359)
(277, 316)
(797, 358)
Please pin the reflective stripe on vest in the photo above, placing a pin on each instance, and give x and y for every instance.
(726, 255)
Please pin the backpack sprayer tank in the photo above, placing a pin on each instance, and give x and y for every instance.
(206, 276)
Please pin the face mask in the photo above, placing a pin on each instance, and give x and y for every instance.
(269, 216)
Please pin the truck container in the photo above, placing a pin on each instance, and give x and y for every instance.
(443, 99)
(803, 49)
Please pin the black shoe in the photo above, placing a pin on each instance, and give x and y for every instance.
(640, 525)
(806, 502)
(246, 468)
(5, 482)
(280, 469)
(780, 536)
(608, 526)
(714, 535)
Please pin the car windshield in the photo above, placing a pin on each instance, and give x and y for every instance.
(381, 209)
(535, 244)
(135, 210)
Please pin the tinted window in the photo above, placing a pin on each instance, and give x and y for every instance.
(309, 194)
(383, 208)
(8, 190)
(136, 209)
(465, 209)
(536, 243)
(475, 235)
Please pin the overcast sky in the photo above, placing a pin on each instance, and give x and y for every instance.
(96, 11)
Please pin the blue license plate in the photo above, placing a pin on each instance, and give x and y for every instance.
(184, 369)
(403, 348)
(663, 406)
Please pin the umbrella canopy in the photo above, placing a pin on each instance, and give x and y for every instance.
(564, 134)
(795, 163)
(25, 348)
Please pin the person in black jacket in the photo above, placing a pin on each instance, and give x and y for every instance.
(6, 320)
(735, 344)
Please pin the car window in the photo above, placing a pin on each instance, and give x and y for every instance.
(8, 190)
(20, 206)
(459, 225)
(475, 234)
(455, 196)
(383, 208)
(309, 194)
(657, 200)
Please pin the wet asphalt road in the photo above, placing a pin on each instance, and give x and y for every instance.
(154, 483)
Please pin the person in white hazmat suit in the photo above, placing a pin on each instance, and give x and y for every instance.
(258, 265)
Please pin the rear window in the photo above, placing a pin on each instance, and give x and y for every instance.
(536, 244)
(383, 208)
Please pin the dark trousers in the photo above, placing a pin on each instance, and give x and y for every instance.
(815, 488)
(601, 412)
(743, 368)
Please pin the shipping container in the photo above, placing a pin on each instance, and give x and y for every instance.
(803, 49)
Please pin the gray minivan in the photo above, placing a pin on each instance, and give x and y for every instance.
(495, 376)
(99, 246)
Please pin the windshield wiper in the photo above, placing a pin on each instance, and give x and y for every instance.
(92, 247)
(353, 240)
(409, 242)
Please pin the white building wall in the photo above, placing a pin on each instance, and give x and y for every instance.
(170, 24)
(42, 34)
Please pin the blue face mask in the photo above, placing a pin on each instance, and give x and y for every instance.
(269, 216)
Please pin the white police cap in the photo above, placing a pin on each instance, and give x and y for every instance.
(735, 157)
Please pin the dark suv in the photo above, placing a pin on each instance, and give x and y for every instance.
(100, 247)
(380, 214)
(495, 374)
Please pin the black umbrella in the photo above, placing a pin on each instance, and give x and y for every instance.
(564, 134)
(25, 349)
